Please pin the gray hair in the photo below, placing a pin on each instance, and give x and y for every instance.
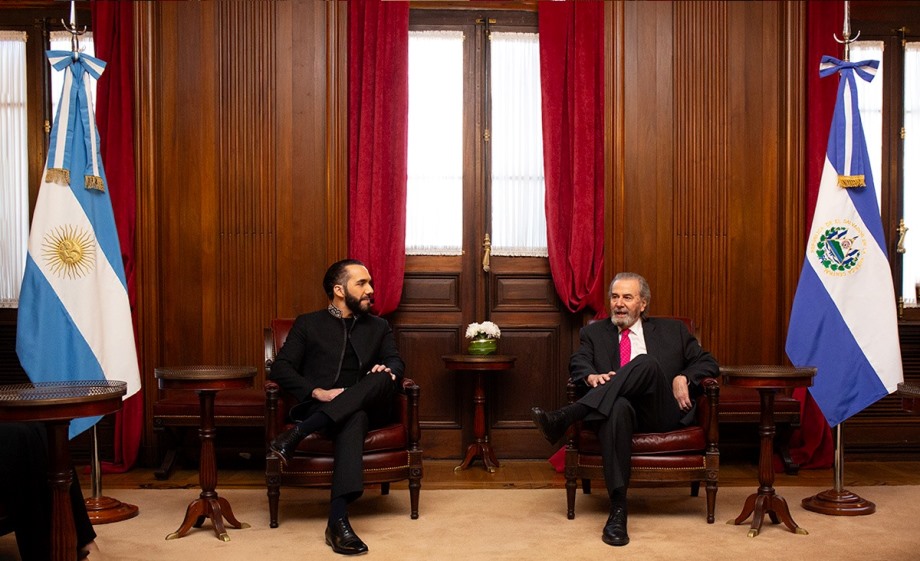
(644, 291)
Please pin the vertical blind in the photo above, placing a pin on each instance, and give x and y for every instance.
(911, 171)
(434, 190)
(14, 173)
(870, 110)
(518, 188)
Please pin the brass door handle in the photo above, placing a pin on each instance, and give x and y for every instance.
(902, 232)
(486, 253)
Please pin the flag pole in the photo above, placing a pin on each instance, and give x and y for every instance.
(838, 501)
(101, 509)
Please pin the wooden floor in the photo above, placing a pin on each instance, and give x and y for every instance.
(528, 474)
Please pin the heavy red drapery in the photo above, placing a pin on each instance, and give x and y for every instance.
(378, 129)
(572, 86)
(113, 38)
(812, 444)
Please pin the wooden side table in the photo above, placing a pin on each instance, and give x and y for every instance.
(56, 404)
(207, 381)
(767, 380)
(479, 365)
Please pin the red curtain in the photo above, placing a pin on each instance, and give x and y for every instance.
(572, 77)
(812, 445)
(113, 36)
(378, 128)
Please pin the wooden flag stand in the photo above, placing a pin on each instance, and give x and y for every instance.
(104, 510)
(838, 501)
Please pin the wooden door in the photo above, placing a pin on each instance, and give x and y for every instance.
(442, 294)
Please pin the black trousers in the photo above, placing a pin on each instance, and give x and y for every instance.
(353, 412)
(26, 493)
(639, 398)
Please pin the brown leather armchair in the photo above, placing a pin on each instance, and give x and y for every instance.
(391, 452)
(687, 455)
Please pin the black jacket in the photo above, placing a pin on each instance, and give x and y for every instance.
(311, 357)
(667, 340)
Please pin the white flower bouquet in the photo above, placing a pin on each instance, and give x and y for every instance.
(484, 330)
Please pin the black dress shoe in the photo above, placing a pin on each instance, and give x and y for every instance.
(343, 539)
(285, 443)
(552, 424)
(615, 529)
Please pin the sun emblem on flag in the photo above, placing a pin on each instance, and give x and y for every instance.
(69, 251)
(840, 248)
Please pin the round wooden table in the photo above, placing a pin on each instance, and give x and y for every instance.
(767, 380)
(207, 381)
(479, 365)
(56, 404)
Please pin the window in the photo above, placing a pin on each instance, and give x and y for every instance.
(434, 190)
(14, 174)
(16, 118)
(445, 73)
(890, 110)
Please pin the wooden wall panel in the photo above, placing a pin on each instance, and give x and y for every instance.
(532, 381)
(698, 181)
(441, 411)
(238, 180)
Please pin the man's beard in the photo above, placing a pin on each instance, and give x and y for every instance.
(354, 304)
(623, 322)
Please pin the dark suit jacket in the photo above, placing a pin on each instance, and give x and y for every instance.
(667, 340)
(311, 357)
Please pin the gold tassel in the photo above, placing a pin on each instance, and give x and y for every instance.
(94, 182)
(60, 176)
(847, 181)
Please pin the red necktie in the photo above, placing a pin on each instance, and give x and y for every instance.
(625, 347)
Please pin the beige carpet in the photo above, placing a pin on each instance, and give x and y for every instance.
(665, 524)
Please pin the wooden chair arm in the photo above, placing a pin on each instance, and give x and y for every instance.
(708, 411)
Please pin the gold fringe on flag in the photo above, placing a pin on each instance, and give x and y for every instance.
(847, 181)
(94, 182)
(60, 176)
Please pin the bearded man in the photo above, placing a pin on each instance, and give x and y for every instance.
(642, 374)
(342, 365)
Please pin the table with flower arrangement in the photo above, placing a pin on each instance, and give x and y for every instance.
(479, 365)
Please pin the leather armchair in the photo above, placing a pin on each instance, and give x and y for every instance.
(391, 452)
(687, 455)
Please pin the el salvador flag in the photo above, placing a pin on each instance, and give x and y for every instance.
(74, 317)
(844, 320)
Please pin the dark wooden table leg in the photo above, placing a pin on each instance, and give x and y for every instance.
(60, 476)
(765, 500)
(480, 448)
(208, 505)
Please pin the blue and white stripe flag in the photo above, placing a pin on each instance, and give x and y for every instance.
(74, 316)
(844, 320)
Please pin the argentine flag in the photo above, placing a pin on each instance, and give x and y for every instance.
(844, 320)
(74, 317)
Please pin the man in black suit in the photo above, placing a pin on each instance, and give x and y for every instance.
(26, 494)
(642, 373)
(343, 366)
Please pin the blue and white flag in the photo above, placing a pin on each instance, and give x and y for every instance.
(74, 316)
(844, 320)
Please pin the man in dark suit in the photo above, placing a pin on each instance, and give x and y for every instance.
(343, 366)
(26, 494)
(642, 373)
